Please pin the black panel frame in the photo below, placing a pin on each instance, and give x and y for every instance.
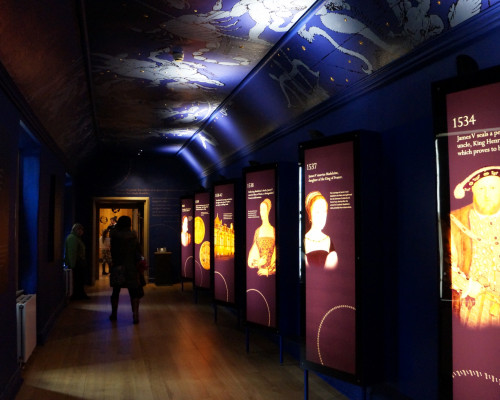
(183, 278)
(210, 235)
(440, 90)
(237, 233)
(355, 378)
(246, 171)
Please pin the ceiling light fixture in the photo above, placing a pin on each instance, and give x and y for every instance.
(178, 54)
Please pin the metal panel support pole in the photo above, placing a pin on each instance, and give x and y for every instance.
(281, 349)
(306, 384)
(247, 341)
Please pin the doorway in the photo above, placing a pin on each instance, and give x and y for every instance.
(106, 208)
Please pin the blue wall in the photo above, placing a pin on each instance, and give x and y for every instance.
(28, 221)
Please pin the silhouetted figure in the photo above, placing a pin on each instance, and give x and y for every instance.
(125, 254)
(74, 257)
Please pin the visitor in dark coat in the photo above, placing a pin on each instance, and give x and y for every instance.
(125, 254)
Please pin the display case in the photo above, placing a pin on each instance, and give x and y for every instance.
(329, 245)
(202, 240)
(187, 238)
(224, 250)
(467, 127)
(262, 260)
(339, 224)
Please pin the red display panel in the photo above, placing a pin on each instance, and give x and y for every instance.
(471, 240)
(224, 251)
(330, 256)
(202, 240)
(261, 247)
(187, 238)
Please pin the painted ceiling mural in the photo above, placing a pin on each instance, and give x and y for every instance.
(174, 70)
(176, 60)
(338, 44)
(202, 79)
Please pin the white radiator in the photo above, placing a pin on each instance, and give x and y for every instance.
(68, 279)
(26, 326)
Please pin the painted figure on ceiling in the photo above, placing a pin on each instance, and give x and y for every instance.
(157, 71)
(334, 20)
(212, 27)
(298, 82)
(271, 14)
(419, 25)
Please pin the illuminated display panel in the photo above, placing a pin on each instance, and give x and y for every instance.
(470, 208)
(202, 240)
(261, 247)
(329, 248)
(187, 242)
(224, 252)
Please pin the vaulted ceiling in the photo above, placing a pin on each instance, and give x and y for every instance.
(200, 79)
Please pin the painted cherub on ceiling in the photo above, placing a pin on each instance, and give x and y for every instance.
(416, 24)
(276, 15)
(298, 83)
(462, 10)
(212, 27)
(334, 18)
(419, 24)
(157, 70)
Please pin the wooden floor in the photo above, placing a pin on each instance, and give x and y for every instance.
(177, 351)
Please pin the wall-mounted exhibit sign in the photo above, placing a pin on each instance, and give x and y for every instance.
(329, 247)
(224, 266)
(202, 240)
(469, 166)
(261, 247)
(187, 238)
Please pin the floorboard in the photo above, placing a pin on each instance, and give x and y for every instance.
(176, 352)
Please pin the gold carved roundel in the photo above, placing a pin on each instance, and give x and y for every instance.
(205, 255)
(199, 230)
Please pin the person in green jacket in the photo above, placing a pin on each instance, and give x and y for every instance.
(74, 258)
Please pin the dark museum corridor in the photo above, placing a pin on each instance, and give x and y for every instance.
(327, 172)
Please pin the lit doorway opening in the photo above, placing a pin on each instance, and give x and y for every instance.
(104, 209)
